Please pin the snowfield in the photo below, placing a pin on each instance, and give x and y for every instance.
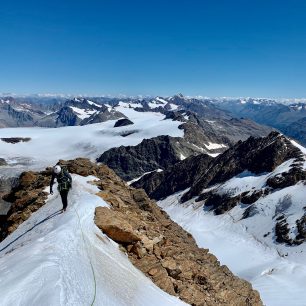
(48, 145)
(66, 260)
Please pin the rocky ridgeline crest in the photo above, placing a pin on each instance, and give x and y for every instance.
(155, 244)
(255, 155)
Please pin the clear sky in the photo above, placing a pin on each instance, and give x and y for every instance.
(197, 47)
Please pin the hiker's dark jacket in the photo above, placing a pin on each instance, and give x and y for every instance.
(64, 180)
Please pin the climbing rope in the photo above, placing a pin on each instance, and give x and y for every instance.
(58, 212)
(92, 269)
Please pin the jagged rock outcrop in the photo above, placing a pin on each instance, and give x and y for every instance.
(115, 226)
(283, 180)
(257, 155)
(64, 117)
(158, 247)
(26, 197)
(11, 117)
(151, 154)
(102, 116)
(6, 184)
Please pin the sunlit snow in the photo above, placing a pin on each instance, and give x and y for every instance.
(51, 264)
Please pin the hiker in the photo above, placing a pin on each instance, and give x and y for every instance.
(64, 181)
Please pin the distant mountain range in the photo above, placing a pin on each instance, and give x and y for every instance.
(287, 116)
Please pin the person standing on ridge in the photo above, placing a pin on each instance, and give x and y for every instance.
(64, 181)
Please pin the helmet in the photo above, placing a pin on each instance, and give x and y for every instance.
(57, 169)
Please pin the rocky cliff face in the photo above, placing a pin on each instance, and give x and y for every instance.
(151, 154)
(64, 117)
(154, 243)
(102, 115)
(11, 117)
(180, 176)
(257, 155)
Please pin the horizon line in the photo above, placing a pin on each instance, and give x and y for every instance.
(120, 95)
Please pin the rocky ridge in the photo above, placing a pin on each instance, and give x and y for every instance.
(178, 177)
(208, 182)
(154, 243)
(257, 155)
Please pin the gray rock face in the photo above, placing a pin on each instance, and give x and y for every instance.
(151, 154)
(10, 117)
(64, 117)
(84, 104)
(257, 155)
(159, 185)
(102, 116)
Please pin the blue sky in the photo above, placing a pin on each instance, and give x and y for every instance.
(211, 48)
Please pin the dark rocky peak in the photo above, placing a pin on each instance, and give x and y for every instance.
(203, 108)
(102, 115)
(85, 104)
(66, 117)
(178, 177)
(21, 118)
(181, 115)
(257, 155)
(133, 161)
(178, 99)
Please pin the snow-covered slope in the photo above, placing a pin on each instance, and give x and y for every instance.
(279, 279)
(66, 260)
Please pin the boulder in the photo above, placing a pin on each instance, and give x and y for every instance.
(113, 224)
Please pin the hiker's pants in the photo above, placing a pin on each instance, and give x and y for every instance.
(64, 196)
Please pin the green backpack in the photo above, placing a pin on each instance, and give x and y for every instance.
(63, 179)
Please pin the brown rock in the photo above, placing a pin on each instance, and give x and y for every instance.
(27, 178)
(138, 250)
(110, 198)
(115, 226)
